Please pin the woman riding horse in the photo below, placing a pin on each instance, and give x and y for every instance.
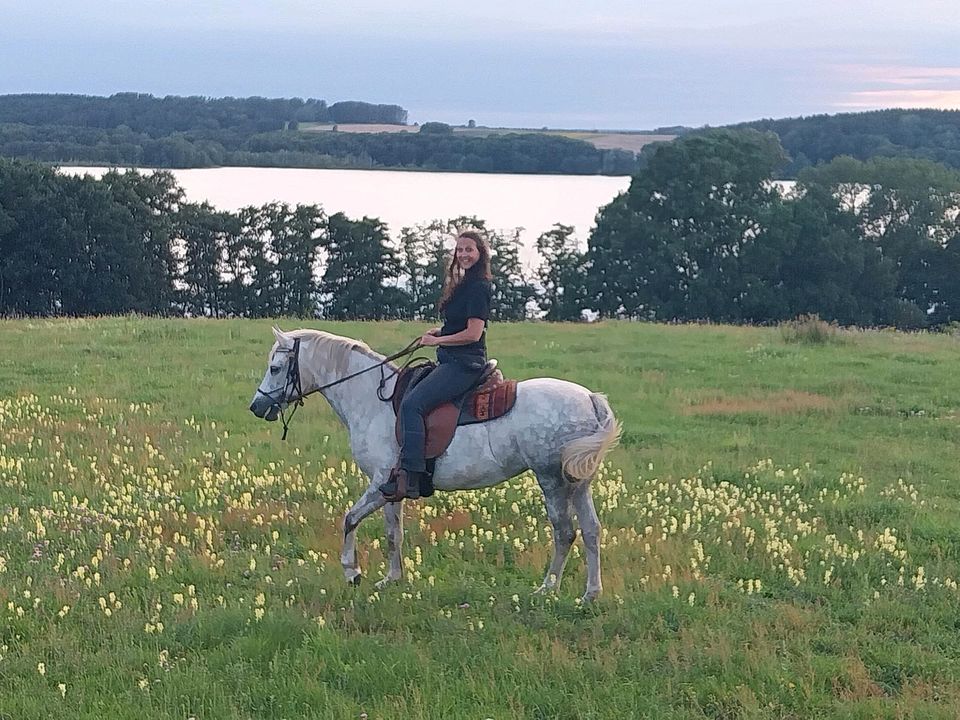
(461, 354)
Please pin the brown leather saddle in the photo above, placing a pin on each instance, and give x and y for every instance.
(491, 397)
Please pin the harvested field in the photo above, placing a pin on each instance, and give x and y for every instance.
(632, 141)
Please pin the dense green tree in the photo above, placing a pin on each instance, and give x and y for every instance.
(436, 128)
(204, 235)
(272, 256)
(362, 271)
(35, 220)
(295, 241)
(812, 260)
(76, 245)
(561, 274)
(264, 294)
(668, 248)
(152, 200)
(424, 258)
(908, 209)
(512, 288)
(240, 249)
(102, 272)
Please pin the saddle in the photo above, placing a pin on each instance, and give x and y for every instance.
(490, 398)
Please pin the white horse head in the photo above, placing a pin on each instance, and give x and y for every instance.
(273, 394)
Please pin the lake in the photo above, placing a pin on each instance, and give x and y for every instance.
(403, 199)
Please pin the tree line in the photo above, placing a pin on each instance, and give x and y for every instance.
(160, 116)
(185, 132)
(702, 233)
(129, 242)
(508, 153)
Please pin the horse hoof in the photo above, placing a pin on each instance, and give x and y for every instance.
(356, 579)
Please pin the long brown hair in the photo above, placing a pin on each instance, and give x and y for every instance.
(455, 274)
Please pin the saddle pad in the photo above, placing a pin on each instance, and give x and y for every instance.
(490, 404)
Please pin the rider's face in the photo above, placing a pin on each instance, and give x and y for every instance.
(467, 253)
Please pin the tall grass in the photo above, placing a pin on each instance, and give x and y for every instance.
(809, 330)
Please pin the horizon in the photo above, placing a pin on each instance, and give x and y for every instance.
(611, 66)
(502, 127)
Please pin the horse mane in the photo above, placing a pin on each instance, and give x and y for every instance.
(333, 351)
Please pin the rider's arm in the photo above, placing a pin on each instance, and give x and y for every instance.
(464, 337)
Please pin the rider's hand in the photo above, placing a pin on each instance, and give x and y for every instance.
(433, 331)
(428, 340)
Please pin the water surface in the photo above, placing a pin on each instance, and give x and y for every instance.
(405, 199)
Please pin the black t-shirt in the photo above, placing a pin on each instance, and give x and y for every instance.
(471, 299)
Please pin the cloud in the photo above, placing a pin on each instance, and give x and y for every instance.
(877, 99)
(905, 74)
(884, 86)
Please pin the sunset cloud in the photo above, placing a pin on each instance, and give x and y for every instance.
(876, 99)
(884, 86)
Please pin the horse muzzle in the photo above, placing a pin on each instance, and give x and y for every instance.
(265, 409)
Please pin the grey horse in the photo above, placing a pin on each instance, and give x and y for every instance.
(558, 429)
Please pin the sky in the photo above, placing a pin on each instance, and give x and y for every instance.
(606, 64)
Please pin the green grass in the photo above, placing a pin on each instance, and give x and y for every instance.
(781, 535)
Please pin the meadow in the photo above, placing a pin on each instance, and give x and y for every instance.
(781, 535)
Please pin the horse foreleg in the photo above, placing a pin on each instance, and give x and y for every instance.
(590, 528)
(557, 498)
(393, 517)
(371, 501)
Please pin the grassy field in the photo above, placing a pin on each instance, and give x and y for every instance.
(781, 536)
(602, 139)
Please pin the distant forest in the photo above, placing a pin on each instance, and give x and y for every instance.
(809, 141)
(158, 117)
(184, 132)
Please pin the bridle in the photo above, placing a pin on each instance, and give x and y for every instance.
(292, 384)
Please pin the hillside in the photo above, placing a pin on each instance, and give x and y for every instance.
(921, 133)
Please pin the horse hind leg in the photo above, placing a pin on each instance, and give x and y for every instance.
(556, 495)
(590, 529)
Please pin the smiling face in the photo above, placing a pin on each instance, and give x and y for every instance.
(467, 253)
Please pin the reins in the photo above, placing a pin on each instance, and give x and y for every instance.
(293, 381)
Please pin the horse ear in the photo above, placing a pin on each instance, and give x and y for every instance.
(277, 333)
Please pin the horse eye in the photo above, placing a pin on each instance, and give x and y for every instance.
(274, 369)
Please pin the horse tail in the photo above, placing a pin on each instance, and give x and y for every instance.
(580, 458)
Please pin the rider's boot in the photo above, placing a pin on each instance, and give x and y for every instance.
(426, 484)
(403, 485)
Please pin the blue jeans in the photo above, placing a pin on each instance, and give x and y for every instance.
(448, 381)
